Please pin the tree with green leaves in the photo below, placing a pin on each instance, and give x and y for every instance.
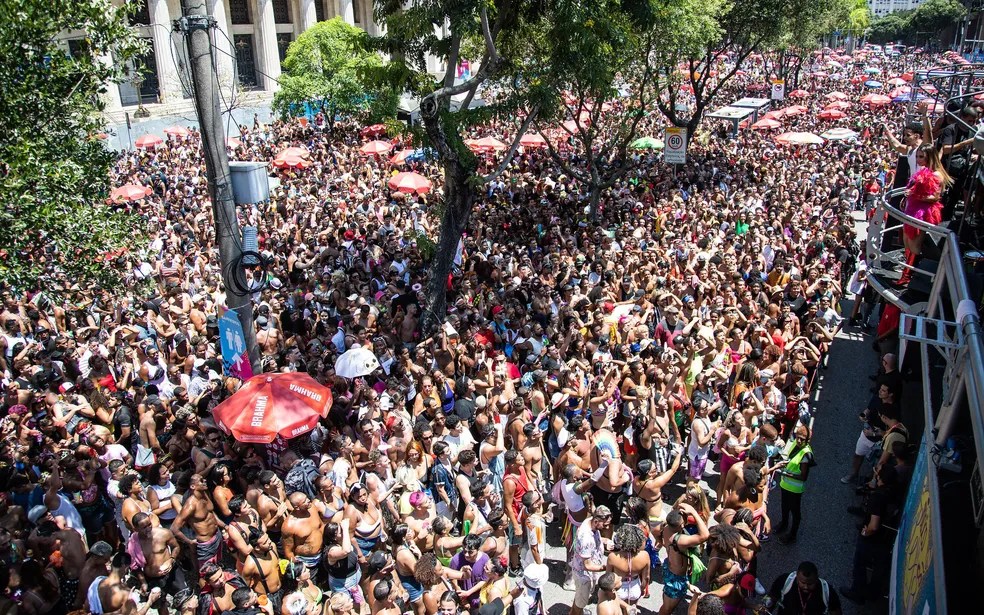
(607, 51)
(703, 45)
(331, 66)
(54, 172)
(934, 16)
(892, 27)
(502, 34)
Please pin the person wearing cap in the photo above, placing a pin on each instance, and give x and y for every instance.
(530, 599)
(588, 557)
(96, 564)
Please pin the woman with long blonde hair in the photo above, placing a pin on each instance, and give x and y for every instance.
(922, 197)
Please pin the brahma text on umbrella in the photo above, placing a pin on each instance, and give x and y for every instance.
(307, 392)
(258, 411)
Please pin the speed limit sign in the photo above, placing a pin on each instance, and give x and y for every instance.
(675, 145)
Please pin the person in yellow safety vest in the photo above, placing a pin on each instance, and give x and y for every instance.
(799, 460)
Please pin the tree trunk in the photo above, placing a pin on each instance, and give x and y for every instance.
(593, 200)
(459, 197)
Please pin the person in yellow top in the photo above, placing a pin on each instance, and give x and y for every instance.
(496, 583)
(794, 472)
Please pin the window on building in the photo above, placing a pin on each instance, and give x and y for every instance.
(78, 47)
(319, 9)
(357, 10)
(140, 84)
(239, 12)
(245, 61)
(283, 42)
(141, 15)
(281, 11)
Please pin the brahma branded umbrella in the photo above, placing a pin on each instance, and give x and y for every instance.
(271, 405)
(177, 131)
(766, 124)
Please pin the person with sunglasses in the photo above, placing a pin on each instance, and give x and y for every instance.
(792, 484)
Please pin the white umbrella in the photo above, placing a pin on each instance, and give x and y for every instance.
(839, 134)
(356, 362)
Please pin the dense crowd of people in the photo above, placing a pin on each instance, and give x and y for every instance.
(636, 384)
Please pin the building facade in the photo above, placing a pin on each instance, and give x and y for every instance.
(880, 8)
(251, 41)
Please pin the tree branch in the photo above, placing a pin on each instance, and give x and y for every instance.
(512, 148)
(451, 70)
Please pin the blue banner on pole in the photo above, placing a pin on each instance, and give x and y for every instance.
(917, 567)
(235, 355)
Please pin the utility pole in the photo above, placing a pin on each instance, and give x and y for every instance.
(197, 24)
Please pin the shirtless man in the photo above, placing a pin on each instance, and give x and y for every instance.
(609, 584)
(96, 565)
(108, 594)
(49, 536)
(303, 531)
(676, 564)
(148, 446)
(160, 550)
(261, 570)
(268, 337)
(385, 594)
(408, 326)
(199, 511)
(533, 454)
(271, 503)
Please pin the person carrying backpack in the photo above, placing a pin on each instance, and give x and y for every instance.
(803, 592)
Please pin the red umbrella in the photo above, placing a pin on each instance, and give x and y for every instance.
(410, 182)
(268, 405)
(129, 192)
(485, 144)
(148, 141)
(799, 94)
(896, 81)
(832, 114)
(795, 110)
(900, 91)
(375, 148)
(876, 100)
(837, 96)
(233, 142)
(401, 156)
(533, 140)
(774, 115)
(906, 76)
(102, 136)
(373, 131)
(293, 162)
(177, 131)
(838, 104)
(766, 124)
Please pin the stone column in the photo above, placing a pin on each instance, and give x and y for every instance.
(111, 98)
(347, 11)
(309, 14)
(269, 58)
(224, 52)
(167, 68)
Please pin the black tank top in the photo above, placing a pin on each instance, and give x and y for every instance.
(345, 567)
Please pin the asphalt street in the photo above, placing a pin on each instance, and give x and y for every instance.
(828, 533)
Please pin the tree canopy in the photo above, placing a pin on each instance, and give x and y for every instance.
(331, 66)
(927, 20)
(54, 172)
